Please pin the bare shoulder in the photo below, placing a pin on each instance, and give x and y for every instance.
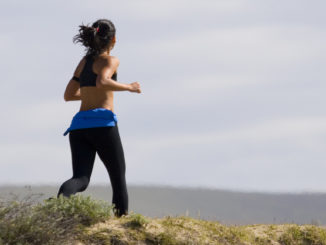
(108, 60)
(115, 59)
(106, 63)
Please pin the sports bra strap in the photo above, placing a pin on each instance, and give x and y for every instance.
(75, 78)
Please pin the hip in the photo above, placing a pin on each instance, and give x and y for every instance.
(93, 118)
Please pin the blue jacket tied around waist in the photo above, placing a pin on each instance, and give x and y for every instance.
(98, 117)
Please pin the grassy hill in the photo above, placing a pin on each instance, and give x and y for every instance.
(226, 206)
(82, 220)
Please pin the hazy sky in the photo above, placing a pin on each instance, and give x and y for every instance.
(233, 92)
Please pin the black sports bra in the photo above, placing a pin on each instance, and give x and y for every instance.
(87, 76)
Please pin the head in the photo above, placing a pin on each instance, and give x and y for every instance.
(98, 38)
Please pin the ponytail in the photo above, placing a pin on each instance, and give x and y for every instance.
(96, 38)
(86, 36)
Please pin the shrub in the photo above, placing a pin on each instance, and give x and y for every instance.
(55, 221)
(136, 220)
(303, 235)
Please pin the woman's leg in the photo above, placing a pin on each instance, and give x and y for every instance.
(83, 156)
(110, 150)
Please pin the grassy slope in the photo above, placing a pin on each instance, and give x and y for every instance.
(137, 229)
(82, 220)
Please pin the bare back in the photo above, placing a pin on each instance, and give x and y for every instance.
(93, 97)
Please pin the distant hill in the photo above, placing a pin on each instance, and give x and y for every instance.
(227, 207)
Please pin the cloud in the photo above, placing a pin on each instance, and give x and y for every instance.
(275, 129)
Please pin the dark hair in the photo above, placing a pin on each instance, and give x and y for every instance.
(96, 38)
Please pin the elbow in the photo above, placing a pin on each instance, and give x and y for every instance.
(99, 84)
(66, 97)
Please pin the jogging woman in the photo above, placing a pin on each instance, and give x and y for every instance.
(94, 129)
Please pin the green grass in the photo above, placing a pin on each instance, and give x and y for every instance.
(88, 221)
(296, 235)
(51, 222)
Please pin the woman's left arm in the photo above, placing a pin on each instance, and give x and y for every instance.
(72, 91)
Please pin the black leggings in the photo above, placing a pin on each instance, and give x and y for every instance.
(84, 143)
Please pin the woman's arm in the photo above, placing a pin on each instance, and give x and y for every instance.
(72, 91)
(103, 80)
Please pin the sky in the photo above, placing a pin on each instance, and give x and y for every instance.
(232, 92)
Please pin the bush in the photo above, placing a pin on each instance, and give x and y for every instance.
(136, 220)
(303, 235)
(83, 210)
(55, 221)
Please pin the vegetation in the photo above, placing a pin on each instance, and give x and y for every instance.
(55, 221)
(81, 220)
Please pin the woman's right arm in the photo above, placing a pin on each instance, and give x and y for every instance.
(103, 80)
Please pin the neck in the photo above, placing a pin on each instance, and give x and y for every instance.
(107, 52)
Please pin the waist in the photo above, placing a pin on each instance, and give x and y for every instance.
(98, 117)
(92, 97)
(100, 113)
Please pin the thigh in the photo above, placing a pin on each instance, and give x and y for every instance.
(83, 153)
(110, 150)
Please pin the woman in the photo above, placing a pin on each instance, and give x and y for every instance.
(94, 129)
